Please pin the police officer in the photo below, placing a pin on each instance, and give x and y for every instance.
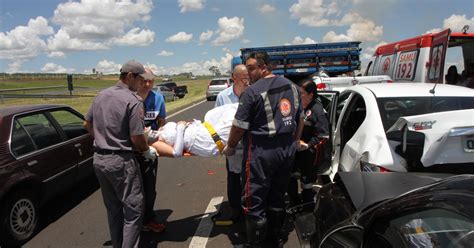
(155, 117)
(115, 119)
(314, 157)
(269, 118)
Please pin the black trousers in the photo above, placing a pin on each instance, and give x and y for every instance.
(148, 169)
(234, 188)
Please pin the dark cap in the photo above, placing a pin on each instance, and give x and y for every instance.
(135, 67)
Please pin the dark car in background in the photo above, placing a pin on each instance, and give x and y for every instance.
(179, 91)
(166, 92)
(216, 85)
(44, 151)
(390, 210)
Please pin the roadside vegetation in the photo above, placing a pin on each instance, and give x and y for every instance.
(86, 88)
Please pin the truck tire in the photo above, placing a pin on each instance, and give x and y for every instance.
(19, 218)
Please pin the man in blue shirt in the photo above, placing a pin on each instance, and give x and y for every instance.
(233, 163)
(155, 111)
(155, 117)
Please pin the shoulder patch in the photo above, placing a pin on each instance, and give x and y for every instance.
(285, 107)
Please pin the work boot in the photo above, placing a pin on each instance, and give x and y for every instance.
(276, 236)
(256, 231)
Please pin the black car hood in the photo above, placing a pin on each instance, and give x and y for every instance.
(367, 188)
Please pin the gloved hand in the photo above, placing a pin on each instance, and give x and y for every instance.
(228, 151)
(150, 154)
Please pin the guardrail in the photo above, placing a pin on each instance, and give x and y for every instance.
(39, 88)
(42, 95)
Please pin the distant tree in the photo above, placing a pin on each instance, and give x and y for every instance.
(215, 70)
(93, 70)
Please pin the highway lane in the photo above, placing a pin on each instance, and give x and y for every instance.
(187, 188)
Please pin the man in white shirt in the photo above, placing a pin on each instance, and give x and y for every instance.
(234, 162)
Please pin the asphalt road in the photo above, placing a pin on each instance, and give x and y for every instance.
(189, 191)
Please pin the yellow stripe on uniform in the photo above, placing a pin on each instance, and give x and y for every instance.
(215, 136)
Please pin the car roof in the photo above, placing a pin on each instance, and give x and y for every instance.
(415, 89)
(220, 78)
(11, 110)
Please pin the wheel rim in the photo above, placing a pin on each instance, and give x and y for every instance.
(22, 217)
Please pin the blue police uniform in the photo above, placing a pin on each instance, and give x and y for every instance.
(269, 110)
(154, 108)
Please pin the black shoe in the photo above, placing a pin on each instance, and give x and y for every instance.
(222, 219)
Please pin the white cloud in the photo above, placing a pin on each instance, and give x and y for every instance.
(15, 66)
(98, 24)
(54, 68)
(196, 67)
(434, 30)
(205, 36)
(266, 8)
(136, 37)
(181, 37)
(457, 22)
(56, 54)
(245, 41)
(229, 29)
(323, 13)
(191, 5)
(25, 42)
(368, 52)
(361, 31)
(108, 67)
(63, 42)
(165, 53)
(314, 13)
(299, 40)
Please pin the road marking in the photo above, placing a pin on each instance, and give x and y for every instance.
(205, 226)
(182, 110)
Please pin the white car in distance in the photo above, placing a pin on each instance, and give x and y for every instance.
(361, 116)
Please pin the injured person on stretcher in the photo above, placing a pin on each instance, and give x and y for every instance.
(204, 139)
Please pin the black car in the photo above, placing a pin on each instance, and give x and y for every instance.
(390, 210)
(179, 91)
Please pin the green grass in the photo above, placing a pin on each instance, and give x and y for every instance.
(196, 92)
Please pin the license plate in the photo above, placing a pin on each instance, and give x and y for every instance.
(468, 143)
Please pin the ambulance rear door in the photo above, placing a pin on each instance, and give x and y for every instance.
(438, 49)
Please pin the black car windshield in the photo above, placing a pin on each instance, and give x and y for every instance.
(218, 82)
(393, 108)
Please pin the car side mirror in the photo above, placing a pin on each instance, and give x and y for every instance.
(348, 236)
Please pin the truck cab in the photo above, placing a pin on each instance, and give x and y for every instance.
(423, 58)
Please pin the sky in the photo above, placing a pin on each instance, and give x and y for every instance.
(175, 36)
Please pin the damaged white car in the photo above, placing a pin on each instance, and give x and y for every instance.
(367, 136)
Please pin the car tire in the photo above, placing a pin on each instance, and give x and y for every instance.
(208, 98)
(180, 96)
(19, 218)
